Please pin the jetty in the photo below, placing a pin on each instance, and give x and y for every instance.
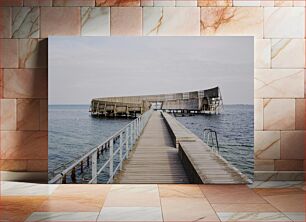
(153, 148)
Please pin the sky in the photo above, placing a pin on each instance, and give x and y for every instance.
(82, 68)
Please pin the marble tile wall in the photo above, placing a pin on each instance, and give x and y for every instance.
(278, 27)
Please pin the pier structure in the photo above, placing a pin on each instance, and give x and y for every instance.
(153, 148)
(207, 101)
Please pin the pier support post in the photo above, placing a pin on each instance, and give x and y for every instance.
(111, 160)
(120, 151)
(94, 167)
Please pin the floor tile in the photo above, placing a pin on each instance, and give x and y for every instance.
(296, 216)
(276, 184)
(18, 208)
(63, 216)
(133, 196)
(130, 214)
(182, 190)
(230, 194)
(26, 189)
(187, 209)
(263, 207)
(251, 216)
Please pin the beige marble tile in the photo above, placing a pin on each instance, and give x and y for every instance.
(163, 3)
(283, 176)
(171, 21)
(33, 53)
(13, 165)
(24, 145)
(130, 214)
(63, 216)
(37, 2)
(258, 117)
(292, 144)
(278, 22)
(43, 115)
(5, 22)
(263, 165)
(95, 21)
(126, 21)
(206, 3)
(263, 207)
(1, 83)
(186, 3)
(180, 191)
(28, 114)
(146, 2)
(25, 22)
(267, 3)
(299, 3)
(232, 21)
(262, 53)
(37, 165)
(123, 3)
(8, 114)
(51, 17)
(279, 83)
(283, 3)
(8, 53)
(5, 3)
(25, 83)
(267, 145)
(253, 216)
(279, 114)
(73, 2)
(289, 165)
(246, 3)
(300, 114)
(288, 53)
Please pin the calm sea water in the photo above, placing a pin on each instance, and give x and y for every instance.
(235, 130)
(73, 132)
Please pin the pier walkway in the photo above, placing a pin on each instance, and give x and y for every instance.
(154, 159)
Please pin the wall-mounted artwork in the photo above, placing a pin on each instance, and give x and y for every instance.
(151, 110)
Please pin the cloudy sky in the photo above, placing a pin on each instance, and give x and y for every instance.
(82, 68)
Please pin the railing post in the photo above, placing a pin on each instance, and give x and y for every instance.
(131, 135)
(94, 167)
(120, 152)
(127, 141)
(111, 160)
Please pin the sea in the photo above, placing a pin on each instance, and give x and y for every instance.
(73, 132)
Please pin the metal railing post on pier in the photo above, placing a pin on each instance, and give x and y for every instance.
(127, 142)
(94, 167)
(120, 152)
(111, 159)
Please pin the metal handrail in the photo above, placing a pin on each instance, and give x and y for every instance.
(131, 132)
(208, 134)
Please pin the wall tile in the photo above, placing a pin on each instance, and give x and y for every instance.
(117, 3)
(54, 21)
(262, 53)
(292, 145)
(25, 83)
(37, 165)
(28, 114)
(289, 165)
(267, 145)
(263, 165)
(278, 22)
(288, 53)
(73, 2)
(239, 21)
(33, 53)
(25, 23)
(212, 3)
(280, 3)
(1, 83)
(258, 117)
(8, 53)
(299, 3)
(300, 114)
(13, 165)
(186, 3)
(8, 114)
(146, 2)
(171, 21)
(267, 3)
(43, 117)
(279, 114)
(279, 83)
(246, 3)
(5, 22)
(95, 21)
(24, 145)
(163, 3)
(126, 21)
(37, 2)
(4, 3)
